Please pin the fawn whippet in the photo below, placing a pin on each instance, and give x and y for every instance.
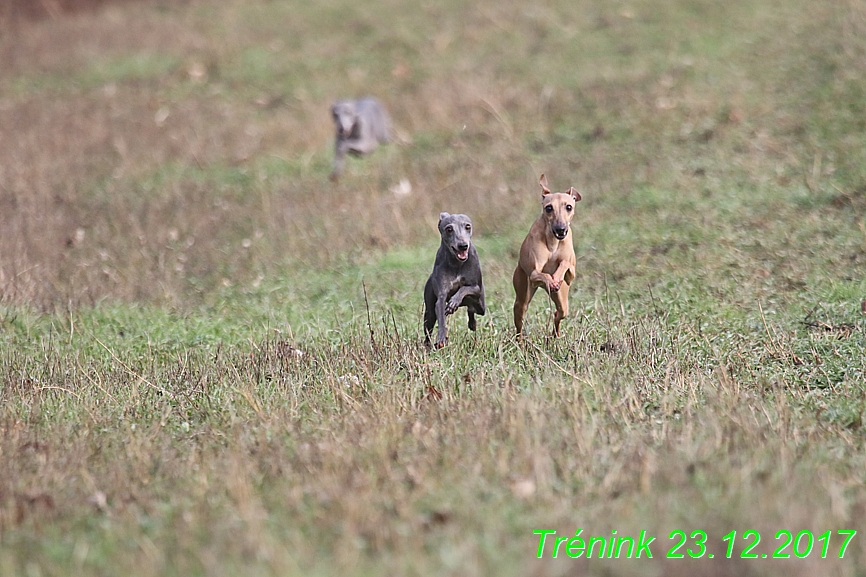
(547, 256)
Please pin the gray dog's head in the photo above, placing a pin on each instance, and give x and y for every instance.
(345, 115)
(456, 230)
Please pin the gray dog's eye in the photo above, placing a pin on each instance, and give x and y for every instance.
(449, 228)
(468, 227)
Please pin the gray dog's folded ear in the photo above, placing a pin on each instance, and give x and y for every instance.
(443, 216)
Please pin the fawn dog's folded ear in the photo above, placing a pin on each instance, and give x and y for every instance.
(543, 182)
(574, 193)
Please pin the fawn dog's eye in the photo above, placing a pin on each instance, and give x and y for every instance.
(548, 208)
(568, 207)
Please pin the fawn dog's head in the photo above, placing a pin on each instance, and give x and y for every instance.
(557, 208)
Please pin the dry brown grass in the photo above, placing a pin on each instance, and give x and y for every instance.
(349, 465)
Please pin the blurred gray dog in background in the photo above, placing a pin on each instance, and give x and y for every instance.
(361, 126)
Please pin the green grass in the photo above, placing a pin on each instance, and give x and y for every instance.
(211, 357)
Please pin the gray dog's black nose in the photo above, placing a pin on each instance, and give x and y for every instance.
(462, 246)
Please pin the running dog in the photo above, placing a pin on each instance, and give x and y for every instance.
(456, 278)
(547, 256)
(361, 126)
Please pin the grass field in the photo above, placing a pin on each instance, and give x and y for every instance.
(211, 357)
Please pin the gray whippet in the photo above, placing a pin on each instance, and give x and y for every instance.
(361, 126)
(456, 278)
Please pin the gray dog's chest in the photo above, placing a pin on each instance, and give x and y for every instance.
(454, 284)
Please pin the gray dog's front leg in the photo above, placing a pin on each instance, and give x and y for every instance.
(458, 297)
(365, 144)
(339, 159)
(442, 334)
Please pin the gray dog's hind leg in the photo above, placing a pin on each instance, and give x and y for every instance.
(429, 311)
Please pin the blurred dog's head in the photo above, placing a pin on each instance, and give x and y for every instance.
(345, 116)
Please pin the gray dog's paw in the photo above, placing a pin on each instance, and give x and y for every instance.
(452, 306)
